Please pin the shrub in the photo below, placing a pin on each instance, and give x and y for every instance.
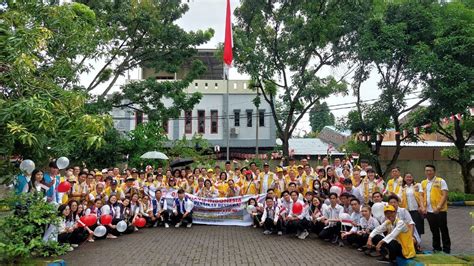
(22, 229)
(456, 196)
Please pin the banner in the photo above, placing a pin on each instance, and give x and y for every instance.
(218, 211)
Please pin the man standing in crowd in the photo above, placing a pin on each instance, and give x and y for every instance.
(435, 203)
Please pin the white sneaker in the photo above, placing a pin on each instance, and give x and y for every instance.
(167, 225)
(267, 232)
(177, 225)
(136, 229)
(189, 225)
(155, 225)
(303, 235)
(70, 249)
(74, 245)
(280, 233)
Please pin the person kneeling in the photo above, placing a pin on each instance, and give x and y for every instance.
(182, 210)
(271, 218)
(398, 242)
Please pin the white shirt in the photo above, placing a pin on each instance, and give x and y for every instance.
(333, 213)
(412, 205)
(444, 186)
(265, 182)
(398, 228)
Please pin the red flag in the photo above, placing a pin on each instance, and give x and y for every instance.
(228, 38)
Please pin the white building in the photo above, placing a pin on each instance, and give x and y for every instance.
(208, 117)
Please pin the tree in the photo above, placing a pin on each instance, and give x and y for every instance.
(141, 33)
(389, 44)
(38, 119)
(449, 68)
(283, 45)
(320, 116)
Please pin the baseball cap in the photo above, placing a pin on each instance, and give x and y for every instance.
(388, 208)
(113, 182)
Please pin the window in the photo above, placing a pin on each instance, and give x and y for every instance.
(249, 118)
(201, 121)
(236, 118)
(165, 126)
(188, 126)
(138, 118)
(261, 118)
(214, 121)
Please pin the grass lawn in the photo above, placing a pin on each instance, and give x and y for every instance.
(445, 259)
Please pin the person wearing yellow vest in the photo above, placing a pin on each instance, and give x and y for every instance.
(266, 179)
(398, 241)
(395, 183)
(410, 199)
(435, 196)
(279, 185)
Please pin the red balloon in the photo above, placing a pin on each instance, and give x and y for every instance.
(297, 208)
(89, 220)
(106, 219)
(140, 222)
(64, 186)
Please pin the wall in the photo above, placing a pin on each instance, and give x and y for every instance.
(446, 169)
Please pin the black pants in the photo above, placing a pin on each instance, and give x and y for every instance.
(164, 218)
(176, 218)
(392, 249)
(330, 232)
(439, 226)
(359, 240)
(256, 219)
(79, 235)
(316, 227)
(419, 222)
(71, 238)
(303, 225)
(270, 225)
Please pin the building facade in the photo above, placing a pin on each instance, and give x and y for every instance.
(208, 117)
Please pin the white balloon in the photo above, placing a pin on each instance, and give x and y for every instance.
(27, 166)
(100, 231)
(251, 209)
(121, 226)
(62, 162)
(278, 142)
(377, 210)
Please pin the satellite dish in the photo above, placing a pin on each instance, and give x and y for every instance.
(279, 142)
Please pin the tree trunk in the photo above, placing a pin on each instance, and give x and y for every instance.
(286, 148)
(466, 168)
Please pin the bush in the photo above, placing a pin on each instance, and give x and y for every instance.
(22, 230)
(456, 196)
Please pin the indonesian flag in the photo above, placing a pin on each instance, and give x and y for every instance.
(416, 130)
(426, 126)
(458, 116)
(471, 111)
(379, 137)
(228, 56)
(405, 133)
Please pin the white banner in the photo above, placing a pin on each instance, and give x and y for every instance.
(218, 211)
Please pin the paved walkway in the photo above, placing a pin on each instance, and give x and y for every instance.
(228, 245)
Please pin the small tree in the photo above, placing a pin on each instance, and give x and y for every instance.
(389, 44)
(320, 116)
(22, 230)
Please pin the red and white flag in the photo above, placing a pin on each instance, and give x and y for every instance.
(458, 116)
(405, 133)
(426, 126)
(416, 130)
(228, 56)
(379, 137)
(471, 111)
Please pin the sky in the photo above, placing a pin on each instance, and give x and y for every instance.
(204, 14)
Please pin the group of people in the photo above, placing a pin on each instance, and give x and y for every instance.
(336, 201)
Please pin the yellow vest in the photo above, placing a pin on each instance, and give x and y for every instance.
(405, 239)
(391, 183)
(404, 201)
(435, 195)
(269, 180)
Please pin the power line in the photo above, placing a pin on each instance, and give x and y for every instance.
(341, 106)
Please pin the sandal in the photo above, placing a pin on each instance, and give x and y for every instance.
(90, 240)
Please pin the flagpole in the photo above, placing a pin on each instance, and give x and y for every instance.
(227, 117)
